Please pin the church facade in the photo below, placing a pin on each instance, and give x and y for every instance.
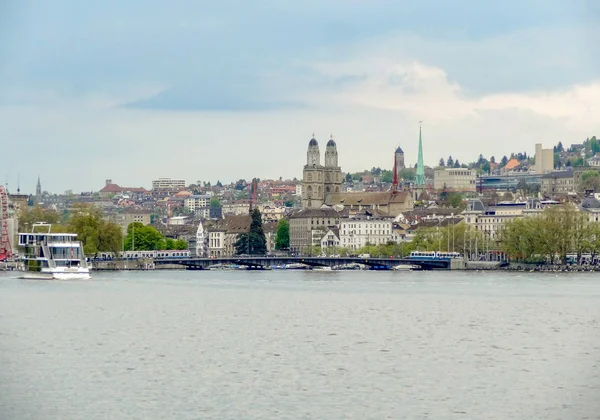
(322, 185)
(320, 180)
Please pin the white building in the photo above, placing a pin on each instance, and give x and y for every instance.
(194, 202)
(200, 241)
(216, 243)
(455, 179)
(368, 227)
(331, 239)
(594, 160)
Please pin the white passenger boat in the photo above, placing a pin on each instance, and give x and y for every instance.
(53, 256)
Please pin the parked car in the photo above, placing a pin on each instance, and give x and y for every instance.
(364, 256)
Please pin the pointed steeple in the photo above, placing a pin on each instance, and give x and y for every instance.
(420, 175)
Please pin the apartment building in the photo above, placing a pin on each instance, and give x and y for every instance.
(163, 187)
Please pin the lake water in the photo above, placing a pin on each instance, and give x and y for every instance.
(301, 345)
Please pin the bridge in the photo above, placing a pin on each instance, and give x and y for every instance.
(260, 262)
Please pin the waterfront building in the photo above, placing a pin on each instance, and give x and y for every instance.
(544, 159)
(455, 179)
(367, 227)
(200, 249)
(305, 221)
(490, 220)
(331, 239)
(216, 242)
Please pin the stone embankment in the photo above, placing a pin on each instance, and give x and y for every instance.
(548, 268)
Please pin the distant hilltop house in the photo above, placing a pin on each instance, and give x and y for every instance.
(110, 189)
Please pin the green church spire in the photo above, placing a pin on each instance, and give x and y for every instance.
(420, 176)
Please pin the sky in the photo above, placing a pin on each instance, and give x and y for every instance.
(222, 90)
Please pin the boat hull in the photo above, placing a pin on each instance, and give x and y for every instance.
(58, 274)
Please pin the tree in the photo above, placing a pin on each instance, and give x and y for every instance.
(559, 147)
(492, 159)
(590, 180)
(386, 176)
(95, 233)
(406, 173)
(29, 216)
(253, 242)
(282, 237)
(215, 203)
(143, 238)
(450, 162)
(504, 161)
(442, 163)
(454, 199)
(219, 184)
(555, 233)
(456, 164)
(348, 177)
(556, 162)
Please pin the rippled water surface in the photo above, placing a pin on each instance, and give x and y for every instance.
(301, 345)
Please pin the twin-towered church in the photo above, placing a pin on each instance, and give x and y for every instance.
(322, 185)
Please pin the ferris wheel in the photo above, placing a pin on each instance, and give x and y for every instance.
(5, 247)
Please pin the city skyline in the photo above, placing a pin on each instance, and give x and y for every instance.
(212, 91)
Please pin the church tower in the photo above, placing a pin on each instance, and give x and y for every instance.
(38, 192)
(313, 188)
(399, 159)
(332, 172)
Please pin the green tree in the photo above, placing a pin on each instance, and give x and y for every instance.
(450, 162)
(348, 177)
(95, 233)
(552, 235)
(180, 244)
(253, 242)
(590, 180)
(386, 176)
(504, 161)
(282, 237)
(143, 238)
(30, 215)
(442, 163)
(215, 203)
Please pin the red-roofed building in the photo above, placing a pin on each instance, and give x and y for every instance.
(111, 189)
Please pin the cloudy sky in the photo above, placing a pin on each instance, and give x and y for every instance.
(206, 90)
